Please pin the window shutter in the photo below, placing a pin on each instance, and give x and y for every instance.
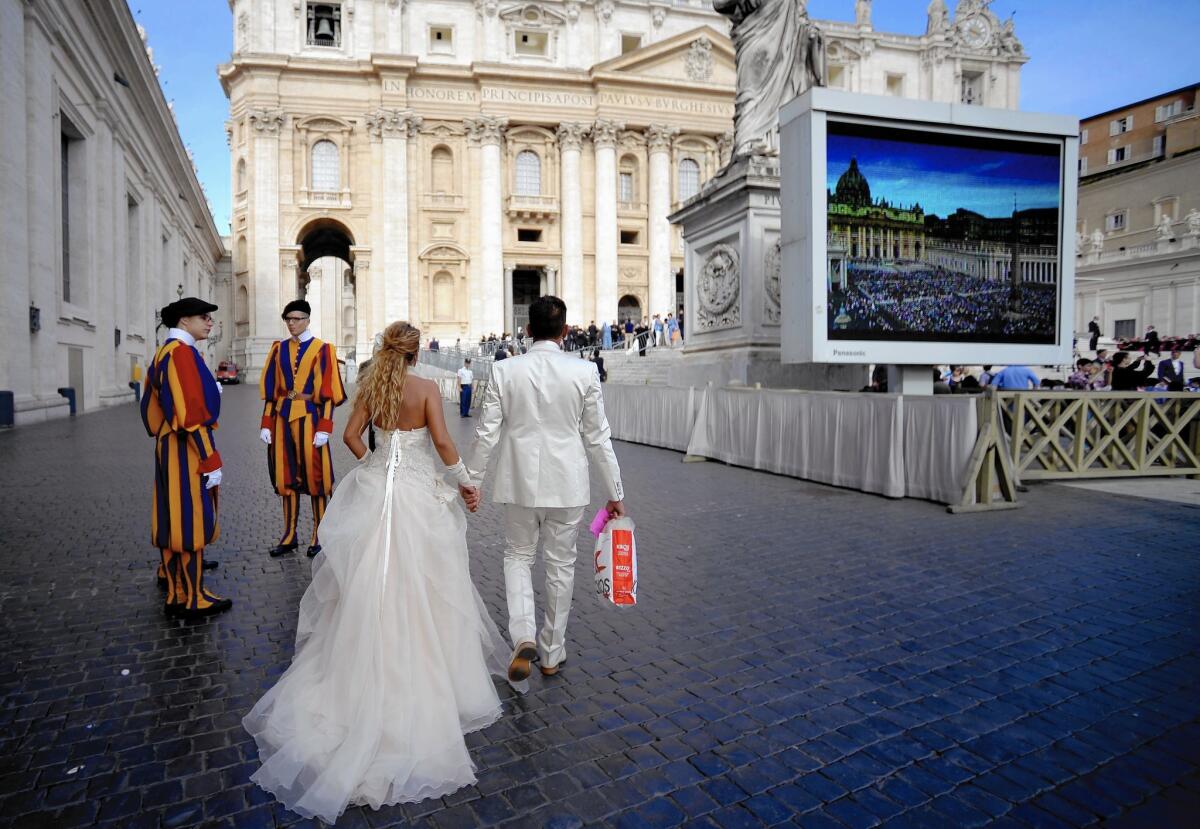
(1112, 156)
(1083, 137)
(1128, 122)
(1114, 127)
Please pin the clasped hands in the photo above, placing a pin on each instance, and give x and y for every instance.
(471, 496)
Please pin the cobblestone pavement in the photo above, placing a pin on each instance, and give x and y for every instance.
(801, 654)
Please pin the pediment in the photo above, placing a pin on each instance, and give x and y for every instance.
(701, 56)
(444, 251)
(323, 123)
(532, 16)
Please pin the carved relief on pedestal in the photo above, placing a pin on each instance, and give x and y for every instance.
(772, 271)
(719, 289)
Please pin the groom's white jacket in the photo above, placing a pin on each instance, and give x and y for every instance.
(543, 415)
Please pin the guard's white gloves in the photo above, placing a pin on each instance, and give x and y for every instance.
(320, 439)
(265, 436)
(214, 479)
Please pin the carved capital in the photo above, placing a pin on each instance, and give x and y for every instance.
(486, 8)
(660, 136)
(393, 123)
(267, 121)
(485, 130)
(571, 135)
(606, 132)
(572, 10)
(604, 10)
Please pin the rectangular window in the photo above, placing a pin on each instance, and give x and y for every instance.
(1118, 154)
(528, 234)
(895, 85)
(325, 24)
(629, 237)
(1083, 165)
(1125, 329)
(837, 76)
(1115, 221)
(1166, 111)
(530, 43)
(65, 172)
(1119, 126)
(630, 43)
(1083, 136)
(626, 191)
(133, 263)
(1160, 145)
(441, 40)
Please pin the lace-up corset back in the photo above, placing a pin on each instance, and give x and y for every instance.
(408, 452)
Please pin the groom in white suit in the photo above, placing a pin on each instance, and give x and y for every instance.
(543, 415)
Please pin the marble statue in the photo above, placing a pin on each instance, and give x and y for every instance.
(1081, 242)
(862, 13)
(939, 18)
(1165, 224)
(1193, 222)
(779, 53)
(1097, 241)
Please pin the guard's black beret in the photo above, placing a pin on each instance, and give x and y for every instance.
(189, 306)
(297, 305)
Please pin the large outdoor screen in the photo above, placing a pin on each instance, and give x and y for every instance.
(941, 236)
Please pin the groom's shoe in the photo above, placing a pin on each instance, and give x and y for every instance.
(522, 661)
(283, 550)
(553, 670)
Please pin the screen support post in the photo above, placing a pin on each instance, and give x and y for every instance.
(910, 379)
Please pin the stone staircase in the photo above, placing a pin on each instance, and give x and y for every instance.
(627, 368)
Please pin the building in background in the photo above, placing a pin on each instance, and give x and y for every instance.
(1138, 231)
(105, 221)
(447, 161)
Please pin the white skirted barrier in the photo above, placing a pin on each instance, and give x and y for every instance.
(887, 444)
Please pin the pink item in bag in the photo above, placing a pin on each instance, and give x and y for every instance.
(598, 523)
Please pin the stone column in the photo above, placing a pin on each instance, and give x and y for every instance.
(506, 326)
(393, 128)
(604, 137)
(489, 132)
(570, 142)
(662, 283)
(552, 281)
(14, 231)
(265, 278)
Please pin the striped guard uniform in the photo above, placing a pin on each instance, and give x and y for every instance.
(308, 367)
(180, 406)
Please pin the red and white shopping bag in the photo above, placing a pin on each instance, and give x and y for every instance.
(616, 563)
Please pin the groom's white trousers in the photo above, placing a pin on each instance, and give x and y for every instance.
(557, 528)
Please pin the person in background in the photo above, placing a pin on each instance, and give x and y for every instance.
(466, 378)
(1081, 375)
(1093, 333)
(1150, 342)
(985, 376)
(606, 336)
(501, 354)
(643, 334)
(1172, 370)
(1128, 376)
(599, 361)
(1015, 378)
(659, 338)
(434, 345)
(672, 329)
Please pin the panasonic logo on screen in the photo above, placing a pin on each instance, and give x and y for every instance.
(837, 353)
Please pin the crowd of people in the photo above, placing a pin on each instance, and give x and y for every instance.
(914, 297)
(649, 332)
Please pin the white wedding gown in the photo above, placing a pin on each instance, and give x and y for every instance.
(394, 648)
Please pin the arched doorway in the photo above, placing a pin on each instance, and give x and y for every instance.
(629, 308)
(325, 278)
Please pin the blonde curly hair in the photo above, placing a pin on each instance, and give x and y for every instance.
(381, 386)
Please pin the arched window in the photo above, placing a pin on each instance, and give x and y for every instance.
(443, 296)
(242, 306)
(241, 175)
(240, 261)
(326, 174)
(627, 179)
(689, 179)
(442, 170)
(529, 173)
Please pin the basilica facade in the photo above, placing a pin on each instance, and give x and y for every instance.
(446, 162)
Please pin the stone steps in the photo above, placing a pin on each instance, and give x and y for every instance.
(654, 369)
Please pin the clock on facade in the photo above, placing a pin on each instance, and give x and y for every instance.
(976, 31)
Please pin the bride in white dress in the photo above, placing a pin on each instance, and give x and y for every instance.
(394, 648)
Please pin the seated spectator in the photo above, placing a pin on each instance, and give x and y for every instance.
(1082, 374)
(1128, 376)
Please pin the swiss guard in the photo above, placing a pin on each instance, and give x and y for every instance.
(180, 406)
(300, 387)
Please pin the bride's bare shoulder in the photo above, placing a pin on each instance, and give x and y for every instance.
(421, 384)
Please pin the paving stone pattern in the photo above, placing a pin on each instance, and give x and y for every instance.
(800, 655)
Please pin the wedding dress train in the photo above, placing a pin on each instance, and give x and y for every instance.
(394, 648)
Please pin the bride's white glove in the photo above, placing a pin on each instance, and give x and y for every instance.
(458, 474)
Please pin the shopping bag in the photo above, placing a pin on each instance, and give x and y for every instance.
(616, 563)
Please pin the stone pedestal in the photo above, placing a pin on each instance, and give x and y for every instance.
(731, 235)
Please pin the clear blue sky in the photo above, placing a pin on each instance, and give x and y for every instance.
(1087, 56)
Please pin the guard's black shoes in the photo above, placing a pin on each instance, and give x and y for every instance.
(211, 564)
(313, 550)
(283, 550)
